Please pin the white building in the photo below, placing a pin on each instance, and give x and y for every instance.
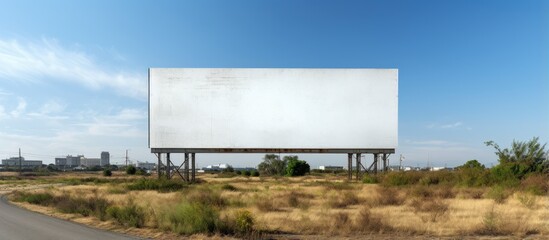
(14, 162)
(330, 168)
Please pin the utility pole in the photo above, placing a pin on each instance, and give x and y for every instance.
(126, 157)
(20, 169)
(400, 166)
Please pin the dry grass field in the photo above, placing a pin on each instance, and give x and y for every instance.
(324, 206)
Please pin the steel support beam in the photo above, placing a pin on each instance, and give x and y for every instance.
(350, 166)
(158, 166)
(193, 176)
(358, 164)
(168, 166)
(375, 162)
(384, 162)
(186, 173)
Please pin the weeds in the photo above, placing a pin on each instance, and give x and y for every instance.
(342, 200)
(528, 201)
(130, 215)
(498, 194)
(387, 196)
(190, 218)
(429, 209)
(160, 185)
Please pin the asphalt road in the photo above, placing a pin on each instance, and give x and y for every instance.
(17, 223)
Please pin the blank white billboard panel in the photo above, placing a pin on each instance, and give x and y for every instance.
(238, 108)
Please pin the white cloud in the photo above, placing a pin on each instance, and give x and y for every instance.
(47, 60)
(21, 106)
(52, 106)
(448, 125)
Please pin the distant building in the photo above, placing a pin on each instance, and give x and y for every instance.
(69, 161)
(146, 165)
(330, 168)
(90, 162)
(14, 162)
(105, 158)
(216, 168)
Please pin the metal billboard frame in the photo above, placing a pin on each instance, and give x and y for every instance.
(380, 156)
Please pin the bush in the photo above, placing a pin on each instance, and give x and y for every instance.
(206, 196)
(387, 196)
(498, 193)
(160, 185)
(244, 221)
(296, 167)
(107, 173)
(131, 170)
(368, 222)
(343, 200)
(190, 218)
(228, 187)
(247, 173)
(128, 216)
(370, 179)
(43, 199)
(536, 184)
(272, 165)
(401, 178)
(238, 172)
(255, 173)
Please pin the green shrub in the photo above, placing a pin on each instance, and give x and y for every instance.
(370, 179)
(247, 173)
(498, 194)
(107, 173)
(238, 172)
(160, 185)
(190, 218)
(206, 196)
(255, 173)
(296, 167)
(131, 170)
(128, 216)
(244, 221)
(228, 187)
(401, 178)
(43, 199)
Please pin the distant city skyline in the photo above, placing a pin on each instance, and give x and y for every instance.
(73, 74)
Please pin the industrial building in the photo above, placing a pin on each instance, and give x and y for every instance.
(69, 161)
(146, 165)
(105, 159)
(90, 162)
(14, 162)
(330, 168)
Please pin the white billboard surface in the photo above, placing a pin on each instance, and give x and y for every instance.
(273, 108)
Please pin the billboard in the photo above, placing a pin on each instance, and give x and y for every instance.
(272, 109)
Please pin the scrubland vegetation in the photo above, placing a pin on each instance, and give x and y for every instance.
(470, 201)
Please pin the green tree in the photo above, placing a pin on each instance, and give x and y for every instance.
(296, 167)
(472, 164)
(522, 158)
(272, 165)
(131, 170)
(473, 173)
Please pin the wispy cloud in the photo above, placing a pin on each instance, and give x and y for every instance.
(448, 125)
(48, 60)
(20, 109)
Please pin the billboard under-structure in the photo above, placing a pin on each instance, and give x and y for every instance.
(273, 110)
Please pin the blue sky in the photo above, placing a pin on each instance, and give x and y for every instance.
(73, 73)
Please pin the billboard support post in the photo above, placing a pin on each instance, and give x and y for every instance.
(193, 167)
(350, 166)
(168, 166)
